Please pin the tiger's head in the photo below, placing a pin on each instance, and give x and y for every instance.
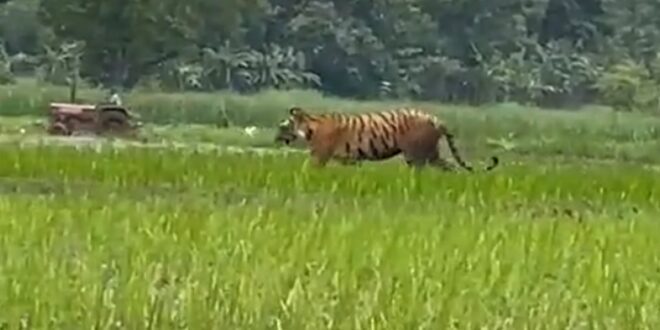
(296, 126)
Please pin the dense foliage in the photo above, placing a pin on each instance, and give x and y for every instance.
(545, 52)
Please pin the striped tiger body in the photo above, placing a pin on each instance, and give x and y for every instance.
(375, 136)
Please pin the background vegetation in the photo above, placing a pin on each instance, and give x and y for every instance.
(550, 53)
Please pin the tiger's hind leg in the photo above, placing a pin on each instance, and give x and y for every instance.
(420, 157)
(415, 163)
(430, 157)
(421, 148)
(415, 154)
(443, 164)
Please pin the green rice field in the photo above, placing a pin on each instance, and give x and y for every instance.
(563, 235)
(176, 239)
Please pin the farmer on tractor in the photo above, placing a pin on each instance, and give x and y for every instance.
(114, 97)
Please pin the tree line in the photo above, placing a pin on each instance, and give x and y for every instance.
(555, 53)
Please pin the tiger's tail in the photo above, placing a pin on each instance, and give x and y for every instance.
(494, 161)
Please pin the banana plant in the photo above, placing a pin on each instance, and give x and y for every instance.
(279, 67)
(6, 75)
(225, 66)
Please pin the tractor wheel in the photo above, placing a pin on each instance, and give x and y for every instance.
(113, 121)
(58, 128)
(73, 125)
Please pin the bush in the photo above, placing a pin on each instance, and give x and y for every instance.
(630, 86)
(6, 77)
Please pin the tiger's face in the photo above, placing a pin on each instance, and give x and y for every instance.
(286, 132)
(293, 128)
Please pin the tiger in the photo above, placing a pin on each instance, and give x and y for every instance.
(373, 136)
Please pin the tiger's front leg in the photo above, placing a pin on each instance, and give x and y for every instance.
(321, 155)
(319, 159)
(324, 146)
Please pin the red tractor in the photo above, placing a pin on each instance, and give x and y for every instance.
(70, 118)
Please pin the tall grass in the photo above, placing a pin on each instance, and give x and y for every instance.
(591, 132)
(266, 108)
(165, 239)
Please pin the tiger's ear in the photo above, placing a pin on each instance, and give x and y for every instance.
(296, 112)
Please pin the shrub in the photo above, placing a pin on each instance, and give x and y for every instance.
(629, 86)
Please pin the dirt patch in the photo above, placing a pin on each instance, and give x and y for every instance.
(95, 142)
